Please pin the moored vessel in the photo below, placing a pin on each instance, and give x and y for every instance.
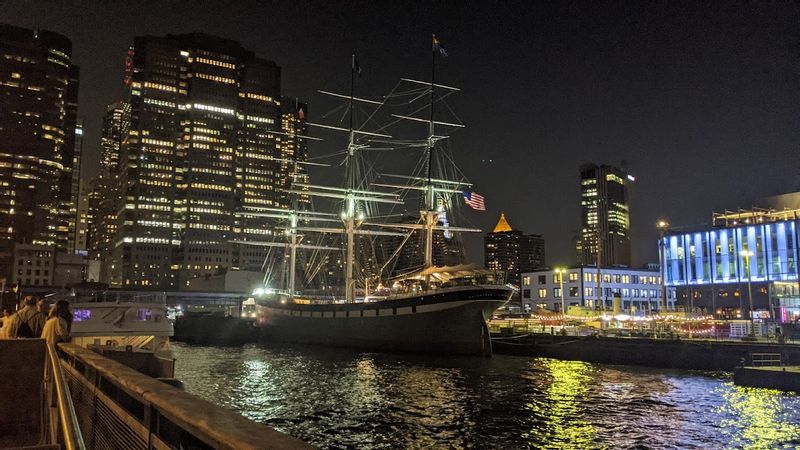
(101, 317)
(433, 309)
(448, 318)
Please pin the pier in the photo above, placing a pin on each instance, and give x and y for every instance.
(692, 354)
(71, 397)
(782, 378)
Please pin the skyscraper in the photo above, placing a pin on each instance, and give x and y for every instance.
(116, 122)
(38, 108)
(511, 251)
(204, 142)
(604, 215)
(70, 226)
(102, 196)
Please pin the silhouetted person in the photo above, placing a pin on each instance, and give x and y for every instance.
(6, 323)
(26, 323)
(57, 327)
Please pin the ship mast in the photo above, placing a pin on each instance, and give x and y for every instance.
(349, 213)
(352, 194)
(428, 184)
(430, 216)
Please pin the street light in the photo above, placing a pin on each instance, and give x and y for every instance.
(747, 254)
(561, 271)
(662, 226)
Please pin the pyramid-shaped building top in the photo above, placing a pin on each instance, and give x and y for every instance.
(502, 225)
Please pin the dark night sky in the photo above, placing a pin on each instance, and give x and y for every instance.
(701, 100)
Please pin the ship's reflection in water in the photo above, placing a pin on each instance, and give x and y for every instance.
(338, 398)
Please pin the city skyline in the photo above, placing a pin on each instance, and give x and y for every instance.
(679, 92)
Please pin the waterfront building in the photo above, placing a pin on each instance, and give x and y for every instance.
(639, 289)
(204, 141)
(38, 109)
(741, 256)
(605, 216)
(42, 265)
(34, 265)
(511, 251)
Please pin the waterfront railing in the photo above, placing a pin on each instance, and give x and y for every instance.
(118, 407)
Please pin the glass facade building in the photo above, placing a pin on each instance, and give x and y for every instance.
(718, 255)
(745, 257)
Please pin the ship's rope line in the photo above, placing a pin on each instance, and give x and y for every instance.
(396, 252)
(335, 110)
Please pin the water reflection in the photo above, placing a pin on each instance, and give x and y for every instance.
(759, 418)
(343, 399)
(565, 425)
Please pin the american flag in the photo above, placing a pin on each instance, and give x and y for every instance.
(474, 200)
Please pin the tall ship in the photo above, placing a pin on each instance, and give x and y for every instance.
(422, 307)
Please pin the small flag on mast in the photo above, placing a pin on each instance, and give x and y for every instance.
(474, 200)
(355, 66)
(437, 46)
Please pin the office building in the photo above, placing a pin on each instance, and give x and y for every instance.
(511, 251)
(83, 220)
(38, 108)
(75, 230)
(101, 197)
(605, 218)
(639, 290)
(41, 265)
(740, 257)
(116, 123)
(204, 141)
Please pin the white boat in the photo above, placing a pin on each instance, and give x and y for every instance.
(110, 319)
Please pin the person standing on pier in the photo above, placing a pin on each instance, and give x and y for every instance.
(57, 327)
(27, 322)
(6, 324)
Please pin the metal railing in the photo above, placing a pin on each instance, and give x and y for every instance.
(766, 359)
(120, 408)
(60, 404)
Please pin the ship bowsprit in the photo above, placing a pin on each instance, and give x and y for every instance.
(448, 321)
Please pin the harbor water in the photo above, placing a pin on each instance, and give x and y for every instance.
(336, 398)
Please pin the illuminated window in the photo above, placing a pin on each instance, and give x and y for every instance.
(542, 293)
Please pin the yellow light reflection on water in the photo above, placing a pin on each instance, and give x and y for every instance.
(564, 424)
(367, 391)
(756, 418)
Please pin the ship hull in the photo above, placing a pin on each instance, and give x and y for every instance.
(448, 322)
